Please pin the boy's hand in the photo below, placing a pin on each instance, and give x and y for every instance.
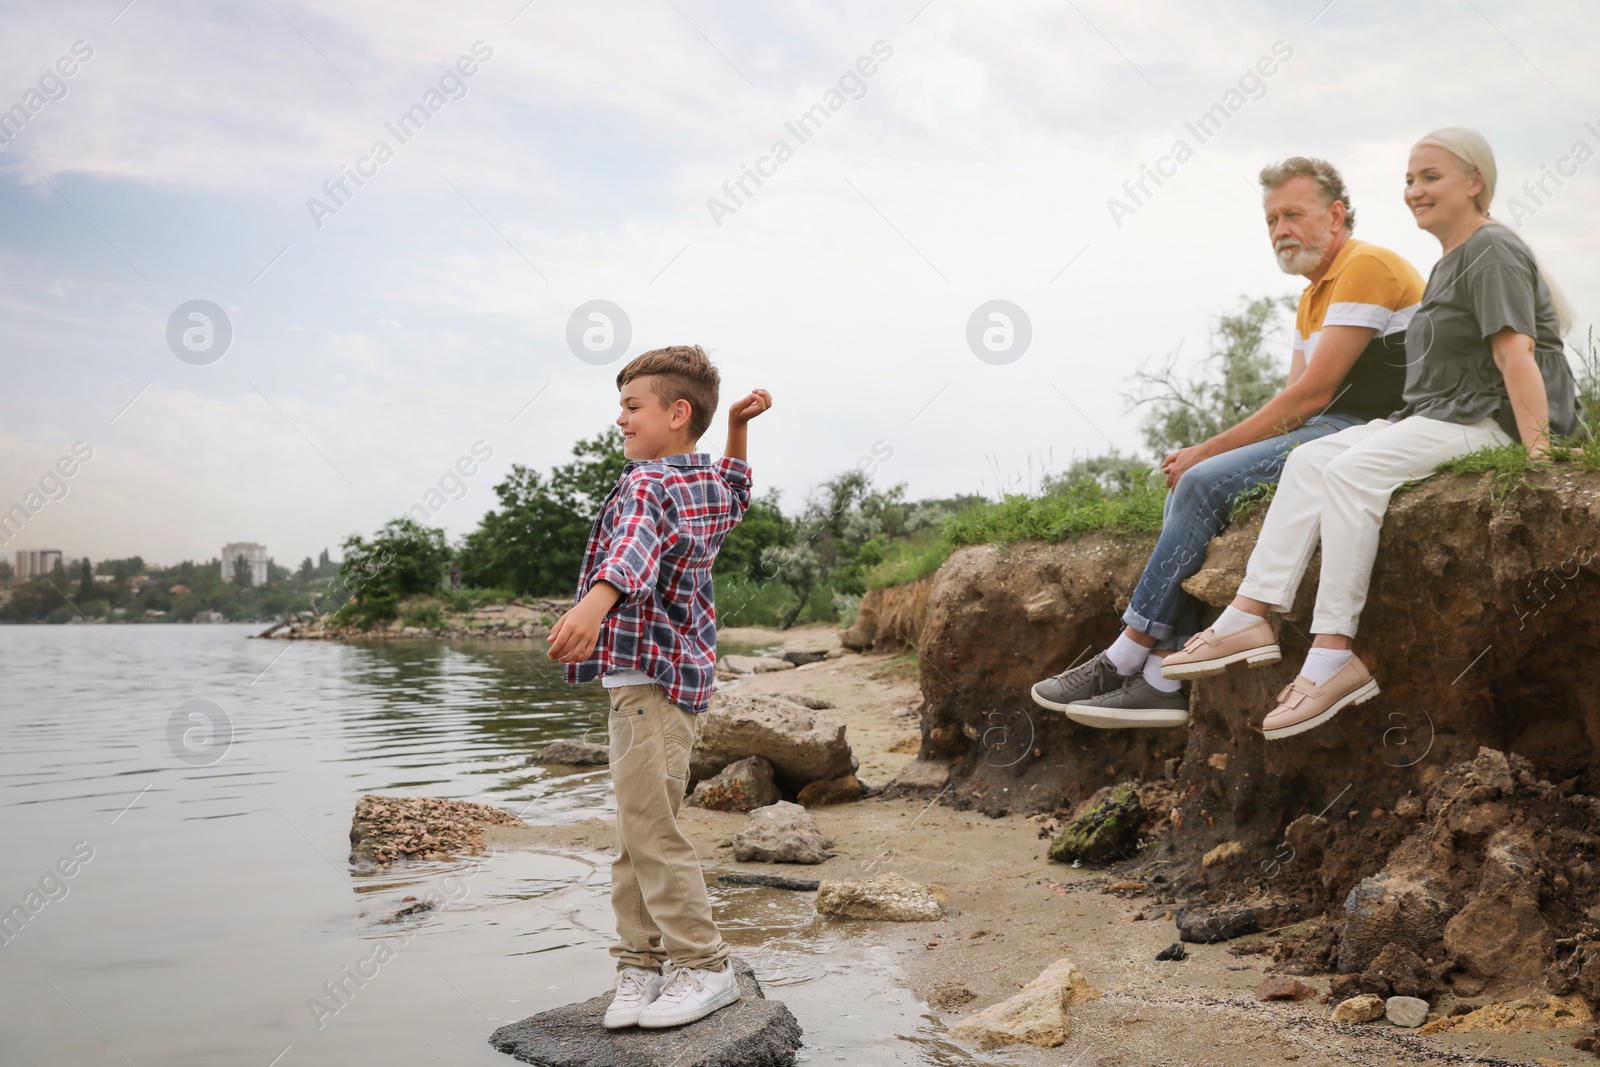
(742, 412)
(573, 636)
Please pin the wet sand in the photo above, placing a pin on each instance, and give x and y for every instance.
(1011, 912)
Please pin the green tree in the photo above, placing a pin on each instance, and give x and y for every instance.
(1239, 376)
(763, 526)
(402, 558)
(86, 590)
(241, 572)
(307, 570)
(534, 542)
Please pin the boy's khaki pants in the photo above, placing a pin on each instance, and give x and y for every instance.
(657, 888)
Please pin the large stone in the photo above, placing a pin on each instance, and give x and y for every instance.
(742, 786)
(1282, 987)
(1389, 908)
(802, 745)
(781, 833)
(1406, 1011)
(1106, 832)
(918, 776)
(1201, 925)
(1035, 1016)
(1362, 1009)
(1501, 937)
(1397, 971)
(572, 752)
(755, 1032)
(833, 791)
(889, 897)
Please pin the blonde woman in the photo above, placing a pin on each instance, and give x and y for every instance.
(1485, 368)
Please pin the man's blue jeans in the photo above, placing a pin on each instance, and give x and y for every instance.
(1196, 511)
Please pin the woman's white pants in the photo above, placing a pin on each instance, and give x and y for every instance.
(1336, 489)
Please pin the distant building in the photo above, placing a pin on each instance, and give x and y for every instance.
(255, 556)
(32, 562)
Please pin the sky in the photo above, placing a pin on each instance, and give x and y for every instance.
(515, 163)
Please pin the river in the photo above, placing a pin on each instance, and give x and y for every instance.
(176, 803)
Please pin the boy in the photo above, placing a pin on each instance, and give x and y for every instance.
(645, 625)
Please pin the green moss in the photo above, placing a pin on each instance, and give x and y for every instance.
(1106, 833)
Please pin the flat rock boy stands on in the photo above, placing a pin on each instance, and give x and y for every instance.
(645, 625)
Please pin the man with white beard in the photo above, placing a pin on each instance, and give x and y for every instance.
(1348, 367)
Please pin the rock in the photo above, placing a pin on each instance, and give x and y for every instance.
(950, 997)
(742, 786)
(754, 664)
(1106, 832)
(1360, 1009)
(572, 752)
(1398, 971)
(769, 881)
(781, 833)
(888, 897)
(1515, 1016)
(1389, 908)
(802, 745)
(1344, 986)
(1226, 852)
(1174, 951)
(755, 1032)
(1207, 926)
(918, 776)
(1501, 933)
(805, 700)
(833, 791)
(1406, 1011)
(1035, 1016)
(800, 657)
(1282, 987)
(386, 829)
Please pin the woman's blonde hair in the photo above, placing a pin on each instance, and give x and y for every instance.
(1472, 149)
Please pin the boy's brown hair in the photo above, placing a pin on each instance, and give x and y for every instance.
(681, 372)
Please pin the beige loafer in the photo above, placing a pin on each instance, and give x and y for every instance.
(1303, 706)
(1206, 654)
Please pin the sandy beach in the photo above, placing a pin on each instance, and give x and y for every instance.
(1010, 912)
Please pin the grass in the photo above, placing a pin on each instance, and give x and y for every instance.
(909, 560)
(1084, 508)
(1510, 468)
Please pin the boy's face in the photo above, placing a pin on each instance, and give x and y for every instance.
(651, 429)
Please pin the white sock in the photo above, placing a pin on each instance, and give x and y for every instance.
(1126, 654)
(1152, 675)
(1323, 663)
(1232, 620)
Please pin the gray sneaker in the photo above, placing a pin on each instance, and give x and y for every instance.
(1086, 680)
(1136, 703)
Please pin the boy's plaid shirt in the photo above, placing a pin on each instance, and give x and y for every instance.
(655, 540)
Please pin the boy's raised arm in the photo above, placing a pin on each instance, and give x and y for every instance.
(739, 416)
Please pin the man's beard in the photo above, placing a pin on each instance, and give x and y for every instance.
(1299, 262)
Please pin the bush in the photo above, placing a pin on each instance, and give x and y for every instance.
(425, 615)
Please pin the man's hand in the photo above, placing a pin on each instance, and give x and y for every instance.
(574, 634)
(1181, 460)
(742, 412)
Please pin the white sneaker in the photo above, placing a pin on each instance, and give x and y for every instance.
(690, 993)
(636, 989)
